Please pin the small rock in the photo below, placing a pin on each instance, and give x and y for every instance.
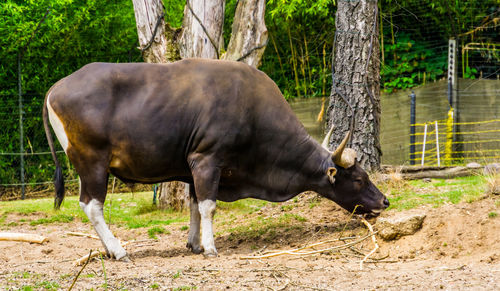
(426, 180)
(400, 225)
(474, 165)
(492, 169)
(47, 251)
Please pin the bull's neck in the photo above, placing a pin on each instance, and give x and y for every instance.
(312, 161)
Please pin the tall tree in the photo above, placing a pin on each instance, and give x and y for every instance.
(356, 80)
(249, 33)
(157, 42)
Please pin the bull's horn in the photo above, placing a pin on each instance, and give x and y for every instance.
(344, 157)
(327, 139)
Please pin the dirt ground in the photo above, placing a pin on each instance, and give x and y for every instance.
(458, 248)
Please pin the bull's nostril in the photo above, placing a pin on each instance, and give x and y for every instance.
(386, 202)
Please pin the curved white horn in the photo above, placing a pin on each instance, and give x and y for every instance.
(343, 158)
(327, 139)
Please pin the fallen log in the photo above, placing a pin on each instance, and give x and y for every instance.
(421, 172)
(26, 237)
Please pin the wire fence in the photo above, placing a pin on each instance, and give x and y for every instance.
(411, 55)
(475, 135)
(439, 145)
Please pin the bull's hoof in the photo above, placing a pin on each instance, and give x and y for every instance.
(194, 249)
(212, 254)
(125, 259)
(120, 255)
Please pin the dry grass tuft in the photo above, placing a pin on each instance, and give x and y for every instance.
(389, 182)
(493, 184)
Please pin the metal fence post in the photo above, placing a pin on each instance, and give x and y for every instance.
(21, 129)
(412, 127)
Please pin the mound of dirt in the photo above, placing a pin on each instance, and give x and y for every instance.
(458, 247)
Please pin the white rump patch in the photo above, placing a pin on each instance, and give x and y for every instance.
(57, 126)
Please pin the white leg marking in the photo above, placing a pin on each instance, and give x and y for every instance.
(207, 211)
(57, 126)
(194, 227)
(93, 210)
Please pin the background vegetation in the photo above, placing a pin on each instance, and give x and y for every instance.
(52, 38)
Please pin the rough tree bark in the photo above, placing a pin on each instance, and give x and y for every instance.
(147, 14)
(249, 33)
(356, 77)
(202, 29)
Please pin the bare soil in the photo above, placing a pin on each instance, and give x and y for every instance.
(458, 248)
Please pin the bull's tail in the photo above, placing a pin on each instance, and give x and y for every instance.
(58, 176)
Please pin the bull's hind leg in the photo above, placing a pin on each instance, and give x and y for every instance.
(194, 223)
(93, 187)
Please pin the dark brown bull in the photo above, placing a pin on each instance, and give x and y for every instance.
(223, 127)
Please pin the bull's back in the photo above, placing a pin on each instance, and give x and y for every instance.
(147, 118)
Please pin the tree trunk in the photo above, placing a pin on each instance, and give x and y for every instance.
(162, 49)
(148, 17)
(201, 36)
(356, 77)
(249, 33)
(202, 29)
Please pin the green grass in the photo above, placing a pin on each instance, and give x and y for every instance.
(129, 210)
(153, 231)
(412, 194)
(177, 275)
(56, 218)
(244, 206)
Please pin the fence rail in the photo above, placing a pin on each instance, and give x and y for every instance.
(481, 146)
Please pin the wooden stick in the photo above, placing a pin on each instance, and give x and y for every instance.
(372, 234)
(297, 251)
(78, 275)
(26, 237)
(81, 234)
(88, 257)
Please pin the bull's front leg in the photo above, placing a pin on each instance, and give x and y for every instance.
(206, 177)
(207, 211)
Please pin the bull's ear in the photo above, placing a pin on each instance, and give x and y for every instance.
(331, 174)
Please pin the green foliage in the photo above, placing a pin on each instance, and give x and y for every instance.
(407, 64)
(72, 34)
(298, 56)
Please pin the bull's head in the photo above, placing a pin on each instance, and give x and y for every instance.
(352, 188)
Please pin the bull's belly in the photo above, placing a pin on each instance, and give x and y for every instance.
(149, 171)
